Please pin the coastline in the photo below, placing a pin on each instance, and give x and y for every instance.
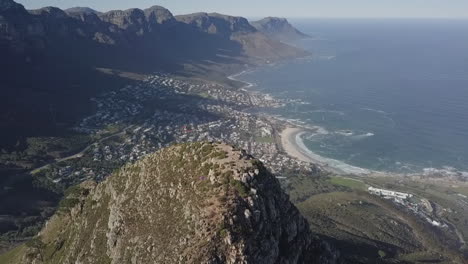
(289, 140)
(292, 144)
(288, 136)
(247, 84)
(289, 144)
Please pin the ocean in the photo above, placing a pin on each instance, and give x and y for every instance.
(390, 95)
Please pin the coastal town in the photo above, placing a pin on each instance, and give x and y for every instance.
(165, 110)
(139, 119)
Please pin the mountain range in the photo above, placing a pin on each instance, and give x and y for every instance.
(54, 60)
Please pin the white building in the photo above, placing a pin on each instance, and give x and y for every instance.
(388, 193)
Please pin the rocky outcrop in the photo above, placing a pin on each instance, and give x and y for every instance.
(81, 10)
(218, 24)
(278, 28)
(159, 15)
(191, 203)
(140, 22)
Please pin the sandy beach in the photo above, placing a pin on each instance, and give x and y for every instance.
(289, 142)
(290, 146)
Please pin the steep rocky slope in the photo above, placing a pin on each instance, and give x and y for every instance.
(278, 28)
(191, 203)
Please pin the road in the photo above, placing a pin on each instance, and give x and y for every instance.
(82, 152)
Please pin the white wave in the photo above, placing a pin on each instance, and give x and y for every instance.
(299, 123)
(346, 133)
(357, 137)
(327, 58)
(385, 114)
(327, 111)
(320, 130)
(375, 111)
(332, 163)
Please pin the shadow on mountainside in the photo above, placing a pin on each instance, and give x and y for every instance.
(49, 62)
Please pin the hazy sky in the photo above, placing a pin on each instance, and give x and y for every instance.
(284, 8)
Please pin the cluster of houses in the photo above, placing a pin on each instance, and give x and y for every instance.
(218, 117)
(388, 194)
(422, 208)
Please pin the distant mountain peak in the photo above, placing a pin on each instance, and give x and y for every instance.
(49, 11)
(278, 28)
(9, 4)
(138, 20)
(81, 10)
(158, 14)
(216, 23)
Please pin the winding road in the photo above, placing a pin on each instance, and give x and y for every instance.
(81, 153)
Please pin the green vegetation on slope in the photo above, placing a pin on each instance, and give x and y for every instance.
(348, 182)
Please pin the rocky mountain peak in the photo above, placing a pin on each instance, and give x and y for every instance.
(158, 15)
(278, 28)
(126, 19)
(6, 5)
(85, 14)
(190, 203)
(50, 12)
(139, 21)
(219, 24)
(81, 10)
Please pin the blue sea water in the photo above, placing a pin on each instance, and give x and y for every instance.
(391, 94)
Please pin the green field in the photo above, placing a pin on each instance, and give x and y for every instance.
(205, 95)
(12, 256)
(369, 229)
(348, 182)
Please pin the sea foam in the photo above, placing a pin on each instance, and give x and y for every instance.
(332, 163)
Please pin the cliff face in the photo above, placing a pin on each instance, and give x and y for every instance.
(191, 203)
(139, 22)
(253, 43)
